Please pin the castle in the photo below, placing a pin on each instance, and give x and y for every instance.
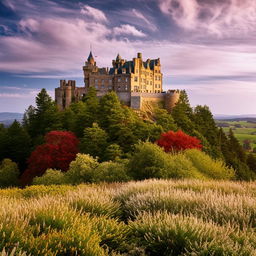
(136, 82)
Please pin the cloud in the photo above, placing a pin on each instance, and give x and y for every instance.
(127, 29)
(225, 18)
(139, 15)
(94, 13)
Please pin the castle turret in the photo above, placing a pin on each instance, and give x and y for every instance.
(171, 99)
(90, 59)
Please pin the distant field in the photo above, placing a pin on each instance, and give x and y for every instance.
(243, 130)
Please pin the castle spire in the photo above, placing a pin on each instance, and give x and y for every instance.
(118, 57)
(90, 58)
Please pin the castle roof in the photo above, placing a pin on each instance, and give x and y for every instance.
(90, 56)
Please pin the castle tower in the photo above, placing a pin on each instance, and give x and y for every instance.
(90, 66)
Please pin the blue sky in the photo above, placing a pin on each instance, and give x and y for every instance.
(206, 47)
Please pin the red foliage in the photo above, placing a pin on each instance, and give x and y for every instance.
(177, 141)
(58, 151)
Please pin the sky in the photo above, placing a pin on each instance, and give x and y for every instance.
(206, 47)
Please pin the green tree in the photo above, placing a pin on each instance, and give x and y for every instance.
(113, 152)
(44, 118)
(163, 118)
(182, 114)
(17, 144)
(9, 173)
(94, 141)
(235, 147)
(251, 162)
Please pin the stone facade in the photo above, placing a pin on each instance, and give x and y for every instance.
(136, 82)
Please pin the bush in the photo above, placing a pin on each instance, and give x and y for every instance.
(214, 169)
(148, 161)
(177, 141)
(82, 169)
(111, 172)
(8, 173)
(51, 177)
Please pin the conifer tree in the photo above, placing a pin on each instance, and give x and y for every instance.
(94, 141)
(183, 113)
(17, 145)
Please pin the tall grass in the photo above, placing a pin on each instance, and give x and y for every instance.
(152, 217)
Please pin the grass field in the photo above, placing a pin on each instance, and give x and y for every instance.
(153, 217)
(246, 131)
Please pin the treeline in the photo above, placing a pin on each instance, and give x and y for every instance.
(108, 130)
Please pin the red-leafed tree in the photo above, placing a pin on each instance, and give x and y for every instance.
(58, 151)
(178, 141)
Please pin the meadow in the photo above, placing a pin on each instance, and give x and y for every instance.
(151, 217)
(243, 130)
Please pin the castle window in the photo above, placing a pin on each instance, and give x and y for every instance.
(150, 82)
(96, 86)
(126, 79)
(135, 79)
(119, 79)
(96, 80)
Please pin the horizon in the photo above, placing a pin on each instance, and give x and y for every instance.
(205, 47)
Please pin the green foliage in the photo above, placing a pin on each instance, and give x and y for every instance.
(182, 113)
(44, 118)
(9, 173)
(51, 177)
(113, 152)
(111, 172)
(214, 169)
(82, 169)
(94, 141)
(148, 161)
(165, 119)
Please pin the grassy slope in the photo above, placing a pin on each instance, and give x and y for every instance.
(153, 217)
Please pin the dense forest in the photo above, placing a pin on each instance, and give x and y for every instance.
(111, 137)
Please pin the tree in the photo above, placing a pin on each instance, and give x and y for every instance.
(9, 173)
(183, 113)
(251, 162)
(113, 152)
(94, 141)
(163, 118)
(177, 141)
(44, 118)
(17, 145)
(235, 147)
(206, 125)
(57, 153)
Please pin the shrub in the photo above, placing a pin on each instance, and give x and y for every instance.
(51, 177)
(177, 141)
(82, 169)
(209, 167)
(8, 173)
(58, 151)
(110, 172)
(148, 161)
